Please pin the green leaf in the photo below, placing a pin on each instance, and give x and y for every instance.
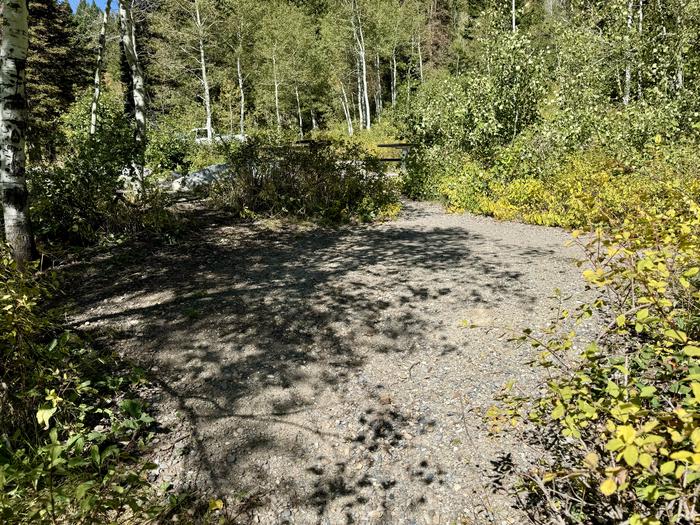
(83, 488)
(558, 411)
(691, 351)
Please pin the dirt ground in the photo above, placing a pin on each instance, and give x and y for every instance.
(311, 375)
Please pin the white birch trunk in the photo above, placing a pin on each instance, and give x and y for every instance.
(13, 127)
(360, 104)
(512, 10)
(640, 66)
(240, 89)
(139, 90)
(393, 77)
(361, 54)
(98, 68)
(277, 91)
(203, 68)
(379, 102)
(301, 121)
(628, 65)
(346, 109)
(420, 62)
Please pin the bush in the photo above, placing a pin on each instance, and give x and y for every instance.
(331, 182)
(69, 425)
(80, 199)
(628, 412)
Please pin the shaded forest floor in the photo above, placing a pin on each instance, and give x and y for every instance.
(310, 375)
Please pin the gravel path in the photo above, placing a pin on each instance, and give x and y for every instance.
(310, 375)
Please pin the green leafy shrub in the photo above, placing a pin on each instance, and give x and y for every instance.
(81, 198)
(169, 149)
(627, 413)
(68, 430)
(331, 182)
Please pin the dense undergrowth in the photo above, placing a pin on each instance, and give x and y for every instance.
(553, 142)
(622, 423)
(333, 182)
(72, 425)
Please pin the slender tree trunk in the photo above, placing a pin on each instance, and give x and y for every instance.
(277, 91)
(346, 109)
(360, 103)
(628, 65)
(203, 67)
(314, 124)
(393, 77)
(139, 91)
(240, 89)
(360, 39)
(13, 128)
(512, 11)
(98, 68)
(301, 121)
(378, 101)
(420, 62)
(679, 80)
(640, 66)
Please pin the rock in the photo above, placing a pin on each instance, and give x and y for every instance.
(197, 179)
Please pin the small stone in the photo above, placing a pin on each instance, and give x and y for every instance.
(385, 399)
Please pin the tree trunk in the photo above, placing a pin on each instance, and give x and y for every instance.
(13, 127)
(362, 58)
(640, 66)
(98, 69)
(378, 101)
(346, 109)
(420, 62)
(512, 10)
(277, 91)
(240, 88)
(314, 124)
(301, 122)
(628, 65)
(203, 67)
(393, 77)
(139, 91)
(360, 104)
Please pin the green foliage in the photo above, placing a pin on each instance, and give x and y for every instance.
(81, 199)
(58, 62)
(478, 112)
(628, 411)
(330, 182)
(169, 150)
(68, 433)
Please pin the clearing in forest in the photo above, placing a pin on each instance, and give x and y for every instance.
(324, 375)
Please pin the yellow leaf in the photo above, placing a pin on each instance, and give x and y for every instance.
(645, 460)
(608, 487)
(642, 314)
(691, 272)
(667, 468)
(682, 455)
(691, 351)
(216, 504)
(558, 411)
(626, 433)
(631, 455)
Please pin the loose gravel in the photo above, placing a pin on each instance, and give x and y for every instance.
(311, 375)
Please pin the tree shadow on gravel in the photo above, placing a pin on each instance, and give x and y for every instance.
(233, 311)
